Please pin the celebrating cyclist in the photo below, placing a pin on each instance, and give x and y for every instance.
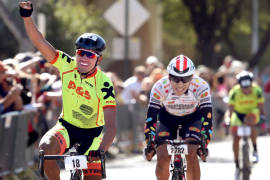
(179, 98)
(246, 104)
(88, 99)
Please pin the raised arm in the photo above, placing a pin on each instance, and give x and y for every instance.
(47, 50)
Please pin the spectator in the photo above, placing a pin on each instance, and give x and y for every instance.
(132, 86)
(156, 74)
(151, 63)
(146, 87)
(10, 99)
(267, 87)
(227, 62)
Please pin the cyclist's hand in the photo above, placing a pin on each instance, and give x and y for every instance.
(149, 151)
(94, 155)
(201, 154)
(26, 8)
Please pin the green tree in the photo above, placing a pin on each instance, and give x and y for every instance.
(66, 20)
(214, 28)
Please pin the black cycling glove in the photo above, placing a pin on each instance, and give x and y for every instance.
(26, 12)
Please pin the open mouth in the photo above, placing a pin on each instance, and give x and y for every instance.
(84, 64)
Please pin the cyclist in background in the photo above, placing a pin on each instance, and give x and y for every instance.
(88, 99)
(246, 104)
(179, 98)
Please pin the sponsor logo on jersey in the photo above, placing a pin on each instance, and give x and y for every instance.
(156, 96)
(171, 102)
(209, 115)
(203, 91)
(86, 109)
(79, 90)
(164, 81)
(181, 106)
(89, 84)
(205, 100)
(164, 133)
(110, 102)
(154, 101)
(204, 95)
(246, 102)
(166, 86)
(108, 90)
(194, 129)
(68, 58)
(194, 84)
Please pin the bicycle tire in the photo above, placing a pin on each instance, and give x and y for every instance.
(176, 175)
(76, 176)
(246, 162)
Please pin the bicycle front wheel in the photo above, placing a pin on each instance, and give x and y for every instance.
(176, 175)
(246, 162)
(76, 176)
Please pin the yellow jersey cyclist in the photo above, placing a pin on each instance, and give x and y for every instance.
(183, 98)
(246, 104)
(88, 100)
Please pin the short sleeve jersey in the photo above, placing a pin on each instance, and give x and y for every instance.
(197, 95)
(83, 99)
(245, 103)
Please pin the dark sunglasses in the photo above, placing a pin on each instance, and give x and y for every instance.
(89, 54)
(176, 79)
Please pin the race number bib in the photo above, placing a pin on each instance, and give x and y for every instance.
(75, 162)
(243, 131)
(181, 149)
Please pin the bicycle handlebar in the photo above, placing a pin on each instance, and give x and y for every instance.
(201, 143)
(43, 157)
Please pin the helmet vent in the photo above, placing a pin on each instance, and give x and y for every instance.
(180, 72)
(87, 42)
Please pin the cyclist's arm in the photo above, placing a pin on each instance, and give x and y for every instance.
(110, 126)
(47, 50)
(151, 120)
(261, 107)
(207, 125)
(231, 109)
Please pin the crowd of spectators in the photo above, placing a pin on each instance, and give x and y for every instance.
(28, 82)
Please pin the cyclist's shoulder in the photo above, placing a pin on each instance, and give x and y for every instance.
(63, 61)
(199, 85)
(102, 77)
(162, 83)
(235, 89)
(256, 87)
(64, 56)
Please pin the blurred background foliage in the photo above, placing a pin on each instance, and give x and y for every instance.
(66, 20)
(205, 30)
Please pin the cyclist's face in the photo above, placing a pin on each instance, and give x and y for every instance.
(86, 60)
(246, 90)
(180, 87)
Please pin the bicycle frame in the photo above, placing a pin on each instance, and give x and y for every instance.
(178, 163)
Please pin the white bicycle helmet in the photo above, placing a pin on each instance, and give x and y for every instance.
(245, 78)
(181, 66)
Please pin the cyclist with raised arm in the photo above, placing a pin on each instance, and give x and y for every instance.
(88, 99)
(246, 104)
(179, 98)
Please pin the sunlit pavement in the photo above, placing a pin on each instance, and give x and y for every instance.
(219, 165)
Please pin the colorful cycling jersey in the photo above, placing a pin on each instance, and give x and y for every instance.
(83, 99)
(198, 94)
(245, 103)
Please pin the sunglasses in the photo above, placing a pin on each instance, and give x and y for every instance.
(176, 79)
(89, 54)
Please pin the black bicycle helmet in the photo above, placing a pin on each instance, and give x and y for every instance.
(91, 41)
(245, 78)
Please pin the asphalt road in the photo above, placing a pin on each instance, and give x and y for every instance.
(219, 165)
